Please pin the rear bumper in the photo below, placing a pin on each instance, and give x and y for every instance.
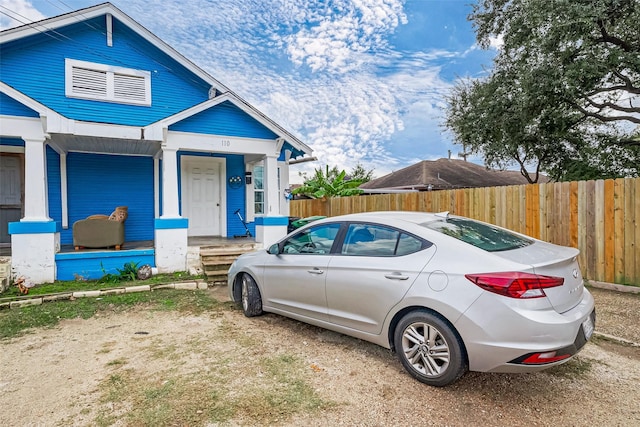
(499, 337)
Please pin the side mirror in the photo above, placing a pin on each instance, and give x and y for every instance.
(274, 249)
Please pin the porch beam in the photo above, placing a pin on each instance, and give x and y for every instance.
(219, 144)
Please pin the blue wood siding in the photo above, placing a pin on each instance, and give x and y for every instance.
(35, 65)
(13, 142)
(98, 183)
(11, 107)
(54, 192)
(235, 196)
(224, 119)
(94, 265)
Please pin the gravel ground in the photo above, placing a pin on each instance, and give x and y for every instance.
(52, 376)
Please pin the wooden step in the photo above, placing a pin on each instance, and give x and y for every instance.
(217, 259)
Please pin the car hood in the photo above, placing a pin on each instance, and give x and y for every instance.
(552, 260)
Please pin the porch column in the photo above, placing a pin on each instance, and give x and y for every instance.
(171, 230)
(35, 240)
(272, 203)
(36, 204)
(170, 201)
(271, 226)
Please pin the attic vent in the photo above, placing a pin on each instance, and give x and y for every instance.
(107, 83)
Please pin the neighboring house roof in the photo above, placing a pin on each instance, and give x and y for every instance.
(218, 92)
(444, 174)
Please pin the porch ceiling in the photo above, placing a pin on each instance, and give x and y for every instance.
(93, 144)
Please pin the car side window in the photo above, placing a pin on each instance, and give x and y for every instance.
(378, 240)
(316, 239)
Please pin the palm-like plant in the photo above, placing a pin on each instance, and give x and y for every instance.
(329, 183)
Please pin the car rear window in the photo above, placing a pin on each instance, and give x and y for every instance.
(480, 235)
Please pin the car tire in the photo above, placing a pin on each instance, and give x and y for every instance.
(430, 349)
(250, 296)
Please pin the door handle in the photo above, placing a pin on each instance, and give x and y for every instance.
(396, 276)
(315, 270)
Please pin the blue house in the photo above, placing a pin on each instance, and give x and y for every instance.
(96, 112)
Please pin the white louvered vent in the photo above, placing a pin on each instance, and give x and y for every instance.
(129, 88)
(89, 83)
(107, 83)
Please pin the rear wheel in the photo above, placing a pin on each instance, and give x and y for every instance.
(251, 298)
(429, 349)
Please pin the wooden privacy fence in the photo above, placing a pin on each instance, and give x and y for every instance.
(601, 218)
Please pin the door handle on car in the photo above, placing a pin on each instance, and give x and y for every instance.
(315, 270)
(396, 276)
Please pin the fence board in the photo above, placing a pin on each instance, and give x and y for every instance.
(601, 218)
(609, 224)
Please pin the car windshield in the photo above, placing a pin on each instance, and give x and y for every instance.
(480, 235)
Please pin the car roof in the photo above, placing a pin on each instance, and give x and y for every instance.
(413, 217)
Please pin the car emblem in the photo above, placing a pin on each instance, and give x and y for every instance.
(575, 273)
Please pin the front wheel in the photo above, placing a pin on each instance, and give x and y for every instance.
(251, 298)
(429, 349)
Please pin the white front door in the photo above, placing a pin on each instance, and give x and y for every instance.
(203, 195)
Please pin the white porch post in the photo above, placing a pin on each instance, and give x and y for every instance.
(36, 205)
(272, 225)
(272, 204)
(171, 230)
(35, 240)
(170, 201)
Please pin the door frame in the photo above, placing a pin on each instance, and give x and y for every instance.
(187, 161)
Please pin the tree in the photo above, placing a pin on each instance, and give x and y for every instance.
(361, 174)
(566, 81)
(328, 183)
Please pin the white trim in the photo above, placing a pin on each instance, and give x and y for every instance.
(110, 90)
(11, 149)
(109, 24)
(219, 143)
(185, 162)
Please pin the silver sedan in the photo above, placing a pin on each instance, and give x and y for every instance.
(448, 294)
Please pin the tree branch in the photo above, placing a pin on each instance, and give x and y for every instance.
(606, 119)
(608, 38)
(613, 106)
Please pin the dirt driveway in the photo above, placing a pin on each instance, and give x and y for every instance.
(61, 376)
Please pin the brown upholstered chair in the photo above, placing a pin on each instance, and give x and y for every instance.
(100, 231)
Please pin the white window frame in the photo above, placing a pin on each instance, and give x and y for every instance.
(259, 190)
(110, 71)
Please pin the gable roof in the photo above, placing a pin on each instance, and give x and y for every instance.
(218, 92)
(52, 24)
(444, 174)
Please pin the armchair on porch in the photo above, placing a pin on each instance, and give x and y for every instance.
(100, 231)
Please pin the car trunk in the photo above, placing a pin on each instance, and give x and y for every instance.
(552, 260)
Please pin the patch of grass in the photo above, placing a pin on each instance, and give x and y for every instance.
(16, 321)
(94, 285)
(284, 393)
(575, 368)
(117, 362)
(200, 398)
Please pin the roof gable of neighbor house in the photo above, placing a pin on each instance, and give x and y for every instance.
(445, 174)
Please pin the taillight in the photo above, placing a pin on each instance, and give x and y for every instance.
(515, 284)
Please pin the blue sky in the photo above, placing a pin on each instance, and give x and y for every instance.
(360, 81)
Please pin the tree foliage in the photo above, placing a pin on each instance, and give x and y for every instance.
(331, 182)
(565, 83)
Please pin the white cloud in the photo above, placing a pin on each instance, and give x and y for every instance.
(14, 13)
